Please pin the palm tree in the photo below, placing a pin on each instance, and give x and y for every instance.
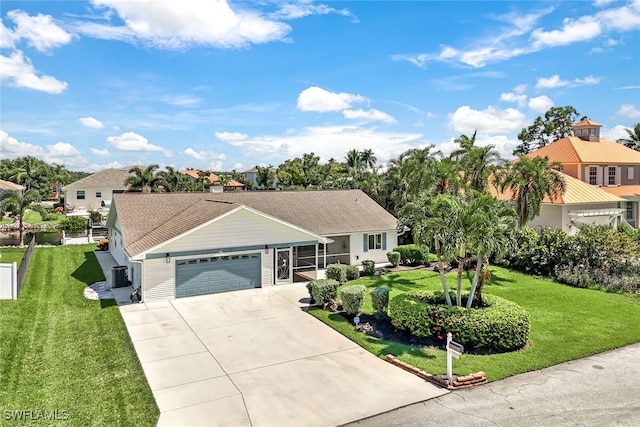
(173, 181)
(634, 137)
(143, 179)
(491, 234)
(418, 169)
(27, 170)
(17, 204)
(530, 180)
(477, 163)
(368, 158)
(223, 179)
(203, 178)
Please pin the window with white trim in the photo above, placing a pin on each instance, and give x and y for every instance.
(593, 175)
(375, 241)
(611, 174)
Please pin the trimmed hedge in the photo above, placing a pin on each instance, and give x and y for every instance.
(352, 298)
(380, 299)
(394, 258)
(324, 290)
(501, 325)
(352, 272)
(413, 254)
(337, 272)
(368, 267)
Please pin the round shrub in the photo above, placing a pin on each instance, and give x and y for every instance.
(352, 298)
(394, 258)
(501, 325)
(337, 272)
(324, 290)
(380, 299)
(352, 272)
(413, 254)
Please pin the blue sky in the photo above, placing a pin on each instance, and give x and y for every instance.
(222, 85)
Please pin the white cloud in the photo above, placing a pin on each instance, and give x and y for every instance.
(103, 152)
(61, 152)
(132, 142)
(7, 38)
(615, 133)
(317, 99)
(555, 81)
(169, 24)
(540, 104)
(629, 111)
(519, 98)
(368, 115)
(300, 10)
(231, 136)
(39, 31)
(491, 120)
(238, 167)
(573, 30)
(91, 122)
(181, 100)
(17, 71)
(330, 142)
(551, 82)
(204, 155)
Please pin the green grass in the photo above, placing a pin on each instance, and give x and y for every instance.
(33, 218)
(61, 351)
(566, 323)
(12, 254)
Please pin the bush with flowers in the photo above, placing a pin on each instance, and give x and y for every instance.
(499, 324)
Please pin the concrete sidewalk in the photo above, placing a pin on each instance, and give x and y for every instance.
(600, 390)
(255, 358)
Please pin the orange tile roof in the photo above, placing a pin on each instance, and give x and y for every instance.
(194, 174)
(12, 186)
(576, 192)
(586, 123)
(572, 149)
(623, 190)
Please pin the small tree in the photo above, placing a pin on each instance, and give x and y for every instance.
(17, 204)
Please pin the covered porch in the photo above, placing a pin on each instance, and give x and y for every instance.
(310, 261)
(610, 217)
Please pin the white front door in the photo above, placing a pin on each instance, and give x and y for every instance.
(283, 267)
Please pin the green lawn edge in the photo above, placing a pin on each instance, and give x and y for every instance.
(566, 323)
(61, 351)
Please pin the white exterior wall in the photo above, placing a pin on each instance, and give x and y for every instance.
(115, 244)
(9, 280)
(90, 202)
(378, 255)
(557, 216)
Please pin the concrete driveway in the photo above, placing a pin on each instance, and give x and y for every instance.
(256, 358)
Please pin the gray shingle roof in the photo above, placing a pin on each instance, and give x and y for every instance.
(107, 178)
(150, 219)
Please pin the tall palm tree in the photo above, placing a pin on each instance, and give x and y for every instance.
(172, 181)
(475, 162)
(223, 179)
(143, 179)
(203, 178)
(418, 169)
(27, 170)
(530, 180)
(17, 204)
(492, 232)
(368, 158)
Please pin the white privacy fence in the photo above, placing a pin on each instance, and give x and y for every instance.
(9, 280)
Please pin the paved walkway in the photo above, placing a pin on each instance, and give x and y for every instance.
(601, 390)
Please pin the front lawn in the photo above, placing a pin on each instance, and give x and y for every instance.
(61, 351)
(566, 323)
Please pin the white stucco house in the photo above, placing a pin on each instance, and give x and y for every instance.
(182, 244)
(95, 191)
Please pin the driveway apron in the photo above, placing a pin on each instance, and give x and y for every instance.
(255, 358)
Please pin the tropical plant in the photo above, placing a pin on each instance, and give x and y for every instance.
(529, 181)
(143, 179)
(16, 204)
(172, 181)
(266, 176)
(203, 179)
(476, 163)
(634, 137)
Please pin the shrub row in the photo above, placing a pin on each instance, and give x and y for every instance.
(412, 254)
(501, 325)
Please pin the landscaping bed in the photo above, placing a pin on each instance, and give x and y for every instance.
(566, 323)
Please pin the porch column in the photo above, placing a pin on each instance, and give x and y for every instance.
(324, 250)
(317, 259)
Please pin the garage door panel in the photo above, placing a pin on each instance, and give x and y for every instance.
(217, 274)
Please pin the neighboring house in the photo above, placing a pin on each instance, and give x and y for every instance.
(214, 181)
(95, 191)
(605, 165)
(10, 186)
(183, 244)
(252, 176)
